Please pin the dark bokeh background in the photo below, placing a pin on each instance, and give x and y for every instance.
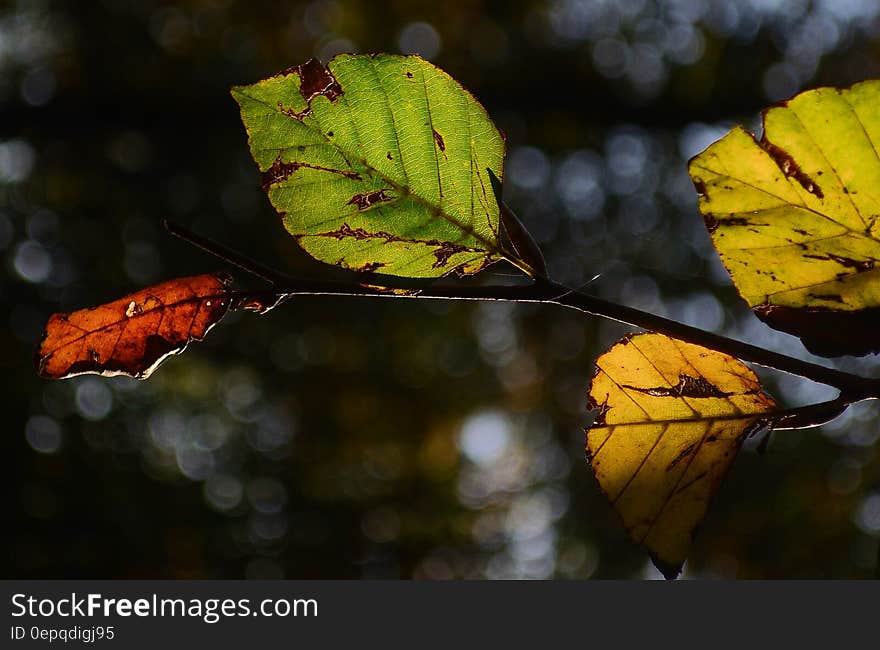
(345, 437)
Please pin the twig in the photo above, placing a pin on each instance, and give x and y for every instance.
(853, 387)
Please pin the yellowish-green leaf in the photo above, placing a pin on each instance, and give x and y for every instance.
(671, 418)
(795, 216)
(379, 163)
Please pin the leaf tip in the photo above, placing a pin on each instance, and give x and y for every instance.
(670, 570)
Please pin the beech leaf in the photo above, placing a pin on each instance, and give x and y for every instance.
(795, 216)
(379, 163)
(671, 417)
(134, 334)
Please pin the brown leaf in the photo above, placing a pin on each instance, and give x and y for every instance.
(133, 335)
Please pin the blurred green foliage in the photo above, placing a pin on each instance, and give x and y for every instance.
(380, 438)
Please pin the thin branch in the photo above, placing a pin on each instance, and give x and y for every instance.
(226, 254)
(853, 387)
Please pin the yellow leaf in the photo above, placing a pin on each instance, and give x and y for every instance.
(796, 216)
(671, 418)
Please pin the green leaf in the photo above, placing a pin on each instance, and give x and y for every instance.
(379, 163)
(795, 216)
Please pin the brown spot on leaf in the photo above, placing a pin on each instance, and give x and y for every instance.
(370, 267)
(687, 386)
(315, 80)
(280, 171)
(860, 266)
(358, 233)
(277, 173)
(364, 201)
(830, 297)
(790, 168)
(740, 221)
(132, 335)
(444, 250)
(439, 140)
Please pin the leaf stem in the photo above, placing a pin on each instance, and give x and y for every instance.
(853, 388)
